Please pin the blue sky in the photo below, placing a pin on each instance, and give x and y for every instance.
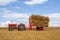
(18, 11)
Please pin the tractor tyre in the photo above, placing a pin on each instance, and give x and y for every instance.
(21, 28)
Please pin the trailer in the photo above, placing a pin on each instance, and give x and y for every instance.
(38, 22)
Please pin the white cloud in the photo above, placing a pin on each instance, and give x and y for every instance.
(4, 2)
(17, 7)
(6, 11)
(15, 15)
(33, 2)
(54, 19)
(4, 24)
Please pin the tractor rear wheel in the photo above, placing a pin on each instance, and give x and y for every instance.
(21, 27)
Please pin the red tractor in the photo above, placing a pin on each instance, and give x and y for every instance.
(16, 26)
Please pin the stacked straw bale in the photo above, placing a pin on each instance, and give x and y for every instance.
(38, 20)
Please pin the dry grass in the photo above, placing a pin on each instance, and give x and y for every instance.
(47, 34)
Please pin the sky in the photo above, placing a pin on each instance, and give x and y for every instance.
(19, 11)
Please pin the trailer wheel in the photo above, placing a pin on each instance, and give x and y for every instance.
(39, 28)
(10, 28)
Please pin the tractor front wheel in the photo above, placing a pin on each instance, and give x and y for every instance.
(10, 29)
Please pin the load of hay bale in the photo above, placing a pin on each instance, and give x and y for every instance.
(38, 20)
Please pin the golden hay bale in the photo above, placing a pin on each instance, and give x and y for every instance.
(38, 20)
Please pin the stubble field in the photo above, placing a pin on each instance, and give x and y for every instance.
(47, 34)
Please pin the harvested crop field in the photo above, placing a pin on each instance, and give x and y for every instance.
(47, 34)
